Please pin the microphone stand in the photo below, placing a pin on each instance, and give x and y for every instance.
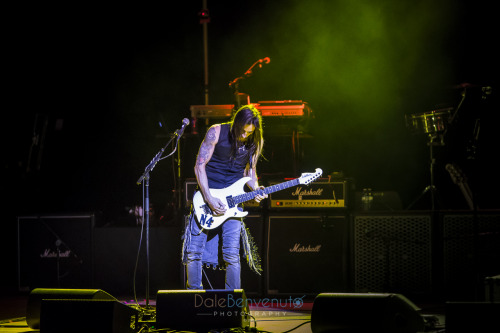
(235, 84)
(144, 180)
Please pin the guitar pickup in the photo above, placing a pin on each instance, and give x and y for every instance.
(230, 202)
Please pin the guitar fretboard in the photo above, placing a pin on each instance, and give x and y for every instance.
(267, 190)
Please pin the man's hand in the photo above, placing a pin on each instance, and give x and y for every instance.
(217, 206)
(261, 195)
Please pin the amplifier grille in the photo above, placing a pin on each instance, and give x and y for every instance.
(392, 254)
(466, 265)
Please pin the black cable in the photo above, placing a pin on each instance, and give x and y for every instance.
(138, 253)
(306, 322)
(290, 330)
(206, 276)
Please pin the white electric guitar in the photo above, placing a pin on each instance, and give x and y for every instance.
(235, 194)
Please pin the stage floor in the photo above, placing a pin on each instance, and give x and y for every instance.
(13, 312)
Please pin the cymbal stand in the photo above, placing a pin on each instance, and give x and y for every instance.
(431, 188)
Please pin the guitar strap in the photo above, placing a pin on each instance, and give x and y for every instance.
(186, 236)
(250, 249)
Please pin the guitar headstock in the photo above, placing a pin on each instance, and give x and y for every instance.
(456, 173)
(307, 178)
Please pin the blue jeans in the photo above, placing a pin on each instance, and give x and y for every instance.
(203, 247)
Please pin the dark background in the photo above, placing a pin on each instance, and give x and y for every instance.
(113, 82)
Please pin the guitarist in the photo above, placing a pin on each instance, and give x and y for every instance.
(228, 152)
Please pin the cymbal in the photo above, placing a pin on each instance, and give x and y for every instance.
(464, 85)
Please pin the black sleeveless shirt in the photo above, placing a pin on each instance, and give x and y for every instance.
(223, 170)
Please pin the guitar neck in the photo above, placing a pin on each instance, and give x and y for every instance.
(267, 190)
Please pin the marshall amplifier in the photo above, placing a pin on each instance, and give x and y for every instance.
(190, 185)
(55, 251)
(314, 195)
(307, 254)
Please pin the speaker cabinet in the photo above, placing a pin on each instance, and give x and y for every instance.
(392, 253)
(55, 251)
(37, 295)
(360, 313)
(471, 252)
(190, 185)
(202, 310)
(307, 254)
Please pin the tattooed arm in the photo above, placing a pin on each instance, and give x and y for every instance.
(204, 154)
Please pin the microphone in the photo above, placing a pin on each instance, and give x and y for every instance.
(265, 60)
(180, 131)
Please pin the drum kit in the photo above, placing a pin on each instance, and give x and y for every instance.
(442, 123)
(433, 123)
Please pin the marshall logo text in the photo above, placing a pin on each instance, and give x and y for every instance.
(53, 254)
(299, 248)
(299, 192)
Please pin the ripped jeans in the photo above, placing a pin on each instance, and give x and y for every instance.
(203, 247)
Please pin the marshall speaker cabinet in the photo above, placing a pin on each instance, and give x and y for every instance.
(315, 195)
(55, 251)
(393, 253)
(471, 252)
(307, 254)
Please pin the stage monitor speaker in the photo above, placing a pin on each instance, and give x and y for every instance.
(37, 295)
(307, 254)
(87, 315)
(202, 310)
(55, 251)
(472, 317)
(366, 312)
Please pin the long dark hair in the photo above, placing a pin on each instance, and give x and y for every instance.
(246, 115)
